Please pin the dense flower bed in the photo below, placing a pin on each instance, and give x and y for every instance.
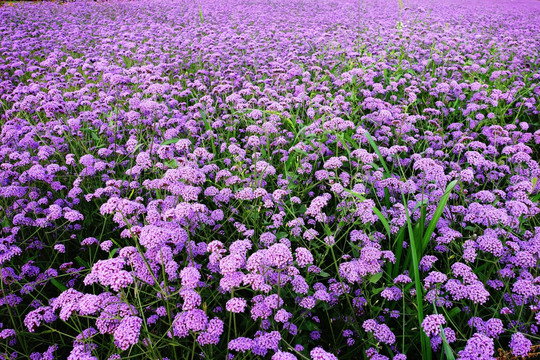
(278, 179)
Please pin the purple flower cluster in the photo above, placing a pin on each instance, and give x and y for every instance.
(232, 176)
(432, 324)
(520, 345)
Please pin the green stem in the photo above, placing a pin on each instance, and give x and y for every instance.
(426, 348)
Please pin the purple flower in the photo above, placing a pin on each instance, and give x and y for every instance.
(426, 263)
(106, 245)
(109, 273)
(319, 353)
(72, 215)
(432, 324)
(520, 345)
(392, 293)
(236, 305)
(402, 279)
(449, 335)
(260, 148)
(60, 248)
(383, 334)
(479, 347)
(190, 277)
(282, 355)
(434, 277)
(241, 344)
(191, 320)
(127, 333)
(493, 328)
(526, 288)
(279, 256)
(269, 341)
(477, 293)
(212, 333)
(303, 257)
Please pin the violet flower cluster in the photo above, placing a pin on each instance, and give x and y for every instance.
(269, 179)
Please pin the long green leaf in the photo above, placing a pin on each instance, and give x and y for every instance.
(421, 224)
(437, 215)
(58, 285)
(206, 123)
(170, 141)
(208, 127)
(383, 220)
(201, 17)
(376, 148)
(447, 349)
(424, 340)
(398, 250)
(375, 210)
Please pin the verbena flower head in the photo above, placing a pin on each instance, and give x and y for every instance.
(520, 345)
(478, 347)
(432, 324)
(127, 333)
(320, 354)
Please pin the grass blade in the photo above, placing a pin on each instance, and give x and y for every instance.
(437, 215)
(376, 149)
(383, 220)
(375, 210)
(426, 347)
(446, 346)
(201, 17)
(398, 250)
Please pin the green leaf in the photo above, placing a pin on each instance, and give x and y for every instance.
(344, 143)
(300, 151)
(201, 17)
(292, 158)
(376, 148)
(398, 250)
(387, 198)
(424, 340)
(383, 221)
(377, 291)
(94, 136)
(81, 261)
(420, 203)
(59, 285)
(205, 120)
(351, 141)
(292, 123)
(170, 141)
(173, 164)
(375, 210)
(375, 278)
(354, 193)
(454, 312)
(437, 215)
(281, 235)
(447, 349)
(112, 253)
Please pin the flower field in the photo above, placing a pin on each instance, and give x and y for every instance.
(270, 179)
